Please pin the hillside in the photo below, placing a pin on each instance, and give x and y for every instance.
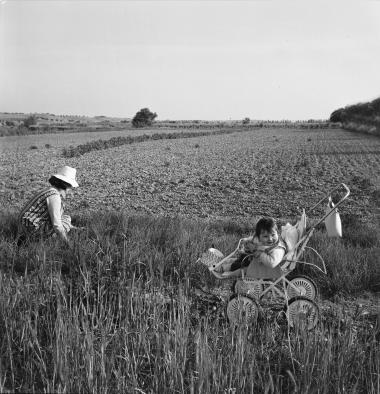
(43, 123)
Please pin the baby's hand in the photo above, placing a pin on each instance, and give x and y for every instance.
(257, 254)
(249, 247)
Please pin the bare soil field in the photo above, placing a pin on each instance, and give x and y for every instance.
(244, 174)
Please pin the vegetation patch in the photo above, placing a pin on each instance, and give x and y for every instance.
(362, 117)
(79, 150)
(117, 312)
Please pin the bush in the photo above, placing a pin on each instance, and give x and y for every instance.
(143, 118)
(30, 120)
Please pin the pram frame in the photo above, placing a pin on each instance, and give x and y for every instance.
(253, 295)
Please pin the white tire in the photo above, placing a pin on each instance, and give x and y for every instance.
(302, 286)
(242, 310)
(302, 313)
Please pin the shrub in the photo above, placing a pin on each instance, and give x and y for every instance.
(143, 118)
(30, 120)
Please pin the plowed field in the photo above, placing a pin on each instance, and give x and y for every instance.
(243, 174)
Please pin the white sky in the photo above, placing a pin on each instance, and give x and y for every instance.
(189, 59)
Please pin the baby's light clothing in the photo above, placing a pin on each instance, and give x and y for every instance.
(266, 264)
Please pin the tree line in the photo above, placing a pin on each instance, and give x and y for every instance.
(359, 117)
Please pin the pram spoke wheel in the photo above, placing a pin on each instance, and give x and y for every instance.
(242, 309)
(252, 287)
(302, 313)
(304, 287)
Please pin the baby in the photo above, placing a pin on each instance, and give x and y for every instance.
(265, 249)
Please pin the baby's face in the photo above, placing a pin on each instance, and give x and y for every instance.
(268, 237)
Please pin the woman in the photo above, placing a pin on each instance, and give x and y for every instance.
(43, 214)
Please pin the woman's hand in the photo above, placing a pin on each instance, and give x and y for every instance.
(78, 228)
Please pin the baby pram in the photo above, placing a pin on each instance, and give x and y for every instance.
(296, 295)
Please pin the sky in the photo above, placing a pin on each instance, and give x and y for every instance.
(211, 60)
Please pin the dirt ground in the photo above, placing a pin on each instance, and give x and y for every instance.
(245, 174)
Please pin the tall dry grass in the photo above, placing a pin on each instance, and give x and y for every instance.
(115, 312)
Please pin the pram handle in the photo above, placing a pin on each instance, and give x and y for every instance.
(327, 197)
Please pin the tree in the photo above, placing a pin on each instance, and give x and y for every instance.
(337, 115)
(143, 118)
(246, 121)
(30, 120)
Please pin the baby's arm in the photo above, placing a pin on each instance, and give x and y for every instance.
(248, 245)
(273, 258)
(248, 239)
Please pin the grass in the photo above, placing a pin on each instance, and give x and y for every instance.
(115, 312)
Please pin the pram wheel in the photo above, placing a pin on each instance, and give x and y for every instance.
(248, 286)
(242, 309)
(302, 313)
(302, 285)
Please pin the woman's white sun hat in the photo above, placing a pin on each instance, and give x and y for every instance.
(67, 174)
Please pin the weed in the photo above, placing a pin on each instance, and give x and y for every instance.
(360, 234)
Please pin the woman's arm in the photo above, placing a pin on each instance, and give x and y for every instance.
(54, 205)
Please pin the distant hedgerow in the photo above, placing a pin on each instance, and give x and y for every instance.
(74, 151)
